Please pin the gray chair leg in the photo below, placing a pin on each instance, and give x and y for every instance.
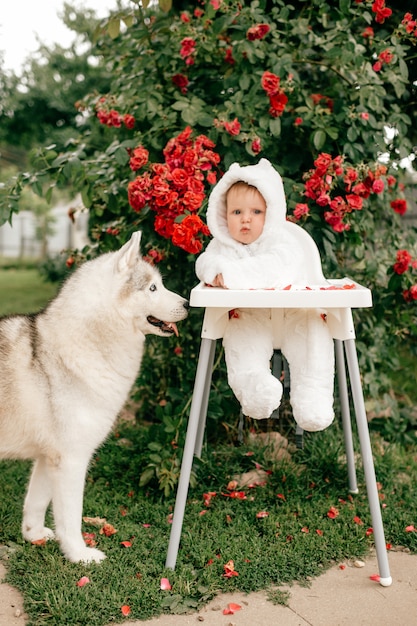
(345, 411)
(200, 391)
(368, 463)
(204, 401)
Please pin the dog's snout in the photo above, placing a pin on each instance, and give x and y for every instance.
(186, 305)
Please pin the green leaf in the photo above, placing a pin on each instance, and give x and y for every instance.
(319, 139)
(146, 476)
(113, 27)
(275, 126)
(352, 133)
(165, 5)
(128, 20)
(121, 155)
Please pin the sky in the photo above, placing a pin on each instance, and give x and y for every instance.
(21, 20)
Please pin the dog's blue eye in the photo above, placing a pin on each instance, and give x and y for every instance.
(152, 287)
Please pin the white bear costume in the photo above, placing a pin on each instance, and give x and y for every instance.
(274, 260)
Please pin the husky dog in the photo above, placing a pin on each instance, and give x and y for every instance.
(66, 372)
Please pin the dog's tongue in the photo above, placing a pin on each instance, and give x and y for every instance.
(173, 327)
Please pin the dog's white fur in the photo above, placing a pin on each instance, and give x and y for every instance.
(65, 374)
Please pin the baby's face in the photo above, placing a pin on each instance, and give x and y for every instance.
(245, 214)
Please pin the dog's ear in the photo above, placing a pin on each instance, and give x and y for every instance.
(128, 254)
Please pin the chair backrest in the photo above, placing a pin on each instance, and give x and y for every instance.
(314, 272)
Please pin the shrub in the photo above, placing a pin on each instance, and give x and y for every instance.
(319, 88)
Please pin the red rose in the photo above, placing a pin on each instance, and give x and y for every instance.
(270, 83)
(139, 158)
(257, 32)
(129, 121)
(399, 206)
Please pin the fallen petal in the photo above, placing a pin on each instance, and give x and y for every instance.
(125, 609)
(165, 584)
(108, 530)
(126, 544)
(375, 577)
(231, 608)
(83, 581)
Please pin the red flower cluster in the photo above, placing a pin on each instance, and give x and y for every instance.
(175, 189)
(384, 57)
(410, 24)
(399, 205)
(326, 178)
(259, 31)
(233, 127)
(318, 98)
(277, 99)
(403, 262)
(256, 145)
(382, 12)
(181, 82)
(228, 57)
(114, 118)
(139, 158)
(410, 295)
(187, 51)
(368, 33)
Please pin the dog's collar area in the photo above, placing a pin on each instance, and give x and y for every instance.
(166, 327)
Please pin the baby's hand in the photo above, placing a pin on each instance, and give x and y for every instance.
(218, 281)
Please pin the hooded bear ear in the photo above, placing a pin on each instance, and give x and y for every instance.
(265, 164)
(234, 167)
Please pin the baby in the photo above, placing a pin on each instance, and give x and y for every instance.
(253, 247)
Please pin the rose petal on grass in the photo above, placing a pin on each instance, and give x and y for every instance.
(231, 608)
(229, 570)
(333, 512)
(126, 544)
(165, 584)
(207, 497)
(262, 514)
(357, 520)
(108, 530)
(125, 609)
(369, 531)
(84, 580)
(408, 529)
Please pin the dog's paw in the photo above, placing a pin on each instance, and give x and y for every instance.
(37, 534)
(85, 555)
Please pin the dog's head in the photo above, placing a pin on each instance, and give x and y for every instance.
(155, 309)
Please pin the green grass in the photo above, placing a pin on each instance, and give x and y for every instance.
(23, 291)
(267, 552)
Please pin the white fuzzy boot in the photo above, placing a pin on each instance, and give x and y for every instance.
(248, 350)
(309, 349)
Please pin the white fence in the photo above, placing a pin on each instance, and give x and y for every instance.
(19, 240)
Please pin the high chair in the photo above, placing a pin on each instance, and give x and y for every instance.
(337, 297)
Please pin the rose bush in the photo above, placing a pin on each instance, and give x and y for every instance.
(322, 89)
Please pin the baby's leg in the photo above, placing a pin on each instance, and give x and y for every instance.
(248, 350)
(308, 346)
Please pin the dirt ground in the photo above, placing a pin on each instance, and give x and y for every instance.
(342, 596)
